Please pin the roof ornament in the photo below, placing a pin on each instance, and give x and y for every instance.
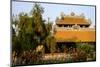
(82, 15)
(72, 14)
(89, 21)
(62, 15)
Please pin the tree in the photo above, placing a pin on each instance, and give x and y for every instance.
(88, 49)
(39, 26)
(32, 31)
(50, 40)
(15, 42)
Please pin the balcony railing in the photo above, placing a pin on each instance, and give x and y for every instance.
(73, 29)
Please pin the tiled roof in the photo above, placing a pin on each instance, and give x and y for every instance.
(73, 20)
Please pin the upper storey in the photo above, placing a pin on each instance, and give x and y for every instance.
(73, 19)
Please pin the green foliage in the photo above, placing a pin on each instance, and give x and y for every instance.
(30, 29)
(86, 51)
(48, 27)
(86, 47)
(50, 42)
(39, 26)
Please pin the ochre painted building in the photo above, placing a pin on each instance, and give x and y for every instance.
(74, 28)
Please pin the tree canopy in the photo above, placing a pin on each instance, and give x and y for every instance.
(32, 31)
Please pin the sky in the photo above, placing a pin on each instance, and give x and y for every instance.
(54, 10)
